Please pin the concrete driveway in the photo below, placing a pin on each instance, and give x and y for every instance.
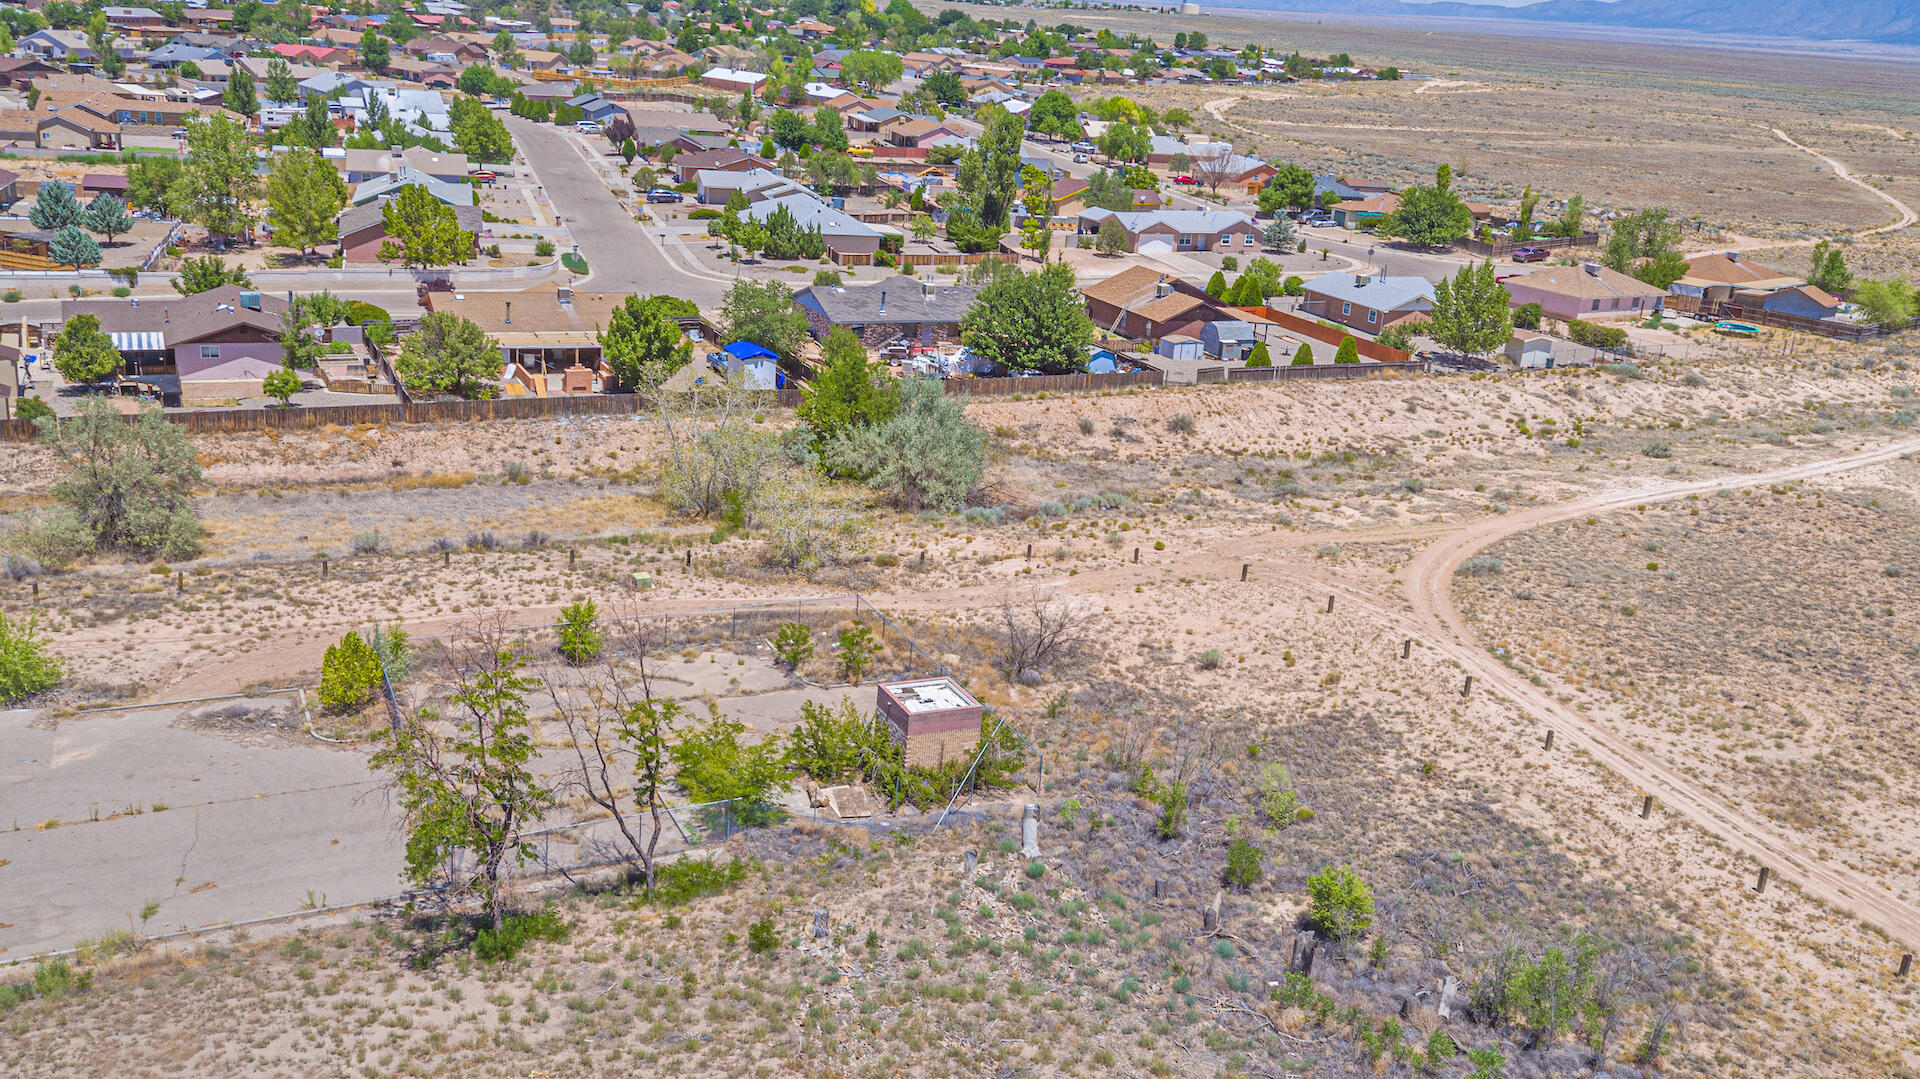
(622, 255)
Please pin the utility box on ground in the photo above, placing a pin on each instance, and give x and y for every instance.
(933, 719)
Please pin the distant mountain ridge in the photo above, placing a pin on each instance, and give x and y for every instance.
(1891, 22)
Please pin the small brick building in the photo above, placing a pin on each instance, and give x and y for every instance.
(933, 720)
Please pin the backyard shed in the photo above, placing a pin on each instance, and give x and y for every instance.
(933, 720)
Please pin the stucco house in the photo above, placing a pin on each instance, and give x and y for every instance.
(223, 335)
(1367, 302)
(1805, 301)
(363, 229)
(1145, 304)
(1177, 230)
(1589, 291)
(897, 309)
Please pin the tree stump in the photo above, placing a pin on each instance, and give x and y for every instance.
(971, 862)
(1210, 916)
(1300, 957)
(820, 925)
(1449, 986)
(1030, 832)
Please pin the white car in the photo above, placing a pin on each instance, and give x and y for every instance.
(587, 127)
(1079, 159)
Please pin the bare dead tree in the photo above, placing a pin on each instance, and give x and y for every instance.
(1038, 631)
(1212, 164)
(620, 734)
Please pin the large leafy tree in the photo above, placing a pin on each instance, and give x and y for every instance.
(849, 390)
(1291, 188)
(643, 345)
(450, 354)
(1888, 304)
(944, 87)
(1053, 113)
(479, 133)
(55, 207)
(1126, 142)
(217, 186)
(1030, 322)
(789, 130)
(124, 486)
(465, 783)
(989, 173)
(83, 353)
(151, 184)
(282, 87)
(240, 95)
(304, 194)
(1829, 271)
(1471, 312)
(375, 52)
(1429, 215)
(762, 312)
(208, 272)
(1649, 235)
(871, 68)
(423, 231)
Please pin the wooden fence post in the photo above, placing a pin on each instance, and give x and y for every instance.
(1646, 808)
(1468, 688)
(1549, 740)
(1764, 874)
(1243, 571)
(1406, 648)
(1329, 604)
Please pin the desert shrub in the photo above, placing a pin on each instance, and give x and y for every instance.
(33, 408)
(1488, 1063)
(391, 650)
(1658, 450)
(1181, 424)
(1902, 418)
(713, 764)
(26, 667)
(580, 633)
(543, 248)
(56, 978)
(124, 486)
(1594, 335)
(516, 932)
(368, 543)
(761, 937)
(826, 278)
(1625, 370)
(1481, 565)
(21, 567)
(856, 652)
(1243, 863)
(1440, 1048)
(1693, 380)
(1526, 317)
(984, 515)
(348, 674)
(1211, 659)
(928, 455)
(1172, 800)
(688, 879)
(1339, 903)
(1086, 426)
(793, 645)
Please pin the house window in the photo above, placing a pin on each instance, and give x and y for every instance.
(1248, 238)
(209, 352)
(1373, 317)
(1346, 308)
(1595, 307)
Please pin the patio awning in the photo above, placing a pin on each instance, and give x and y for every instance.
(142, 341)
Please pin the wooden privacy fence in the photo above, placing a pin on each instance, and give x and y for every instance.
(1499, 248)
(1319, 372)
(227, 421)
(1759, 316)
(1306, 327)
(1006, 387)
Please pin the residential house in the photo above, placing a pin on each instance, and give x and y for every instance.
(18, 72)
(541, 60)
(715, 187)
(317, 55)
(733, 80)
(387, 184)
(594, 107)
(359, 166)
(1589, 291)
(1227, 339)
(897, 309)
(1154, 231)
(849, 241)
(217, 17)
(917, 131)
(1804, 301)
(171, 56)
(67, 46)
(1715, 278)
(9, 188)
(539, 329)
(1363, 213)
(363, 229)
(129, 17)
(1144, 304)
(688, 166)
(870, 119)
(812, 29)
(223, 335)
(70, 129)
(1367, 302)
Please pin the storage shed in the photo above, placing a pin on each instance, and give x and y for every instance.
(933, 720)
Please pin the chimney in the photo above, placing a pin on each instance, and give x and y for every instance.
(926, 291)
(883, 301)
(509, 312)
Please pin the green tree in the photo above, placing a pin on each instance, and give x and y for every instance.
(470, 788)
(71, 246)
(1291, 188)
(793, 644)
(208, 272)
(1339, 903)
(1259, 357)
(1429, 216)
(1126, 142)
(581, 637)
(1523, 224)
(449, 354)
(1034, 322)
(27, 666)
(1036, 198)
(304, 195)
(839, 745)
(1471, 313)
(629, 150)
(1281, 234)
(55, 207)
(239, 95)
(1304, 357)
(829, 131)
(855, 652)
(424, 231)
(1243, 863)
(123, 486)
(83, 354)
(789, 130)
(989, 173)
(713, 764)
(281, 384)
(151, 182)
(1217, 285)
(1053, 113)
(1348, 352)
(642, 345)
(349, 674)
(1111, 239)
(375, 52)
(928, 456)
(1573, 219)
(762, 312)
(1888, 304)
(282, 87)
(848, 391)
(1829, 271)
(871, 68)
(1647, 235)
(218, 185)
(478, 132)
(1662, 270)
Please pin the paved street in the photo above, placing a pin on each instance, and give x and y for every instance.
(622, 255)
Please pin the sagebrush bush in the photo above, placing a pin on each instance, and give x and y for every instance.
(1181, 424)
(1481, 565)
(761, 937)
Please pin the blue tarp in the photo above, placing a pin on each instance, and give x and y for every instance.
(747, 350)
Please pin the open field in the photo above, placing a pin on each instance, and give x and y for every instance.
(1479, 841)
